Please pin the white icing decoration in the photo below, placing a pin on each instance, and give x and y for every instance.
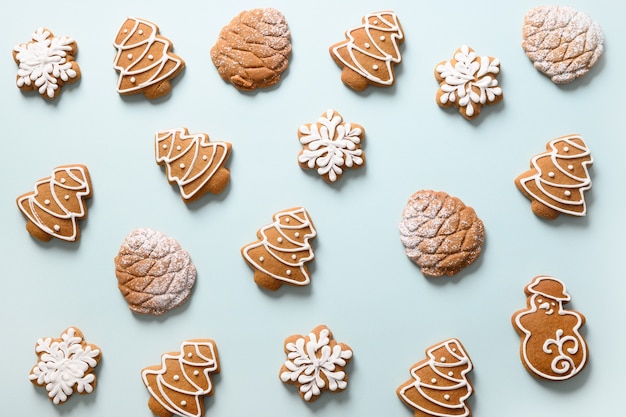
(129, 56)
(63, 365)
(46, 202)
(331, 144)
(302, 222)
(470, 72)
(44, 61)
(390, 25)
(578, 206)
(456, 359)
(29, 204)
(212, 154)
(563, 363)
(149, 43)
(56, 227)
(161, 390)
(308, 359)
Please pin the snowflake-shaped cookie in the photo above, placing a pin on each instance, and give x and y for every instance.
(46, 63)
(468, 82)
(315, 362)
(330, 146)
(66, 364)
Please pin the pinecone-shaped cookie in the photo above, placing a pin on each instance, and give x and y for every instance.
(252, 51)
(440, 233)
(154, 273)
(563, 43)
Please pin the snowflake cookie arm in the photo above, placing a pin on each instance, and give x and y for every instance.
(315, 362)
(46, 63)
(66, 364)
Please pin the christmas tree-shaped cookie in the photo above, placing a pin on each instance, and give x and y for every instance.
(144, 59)
(370, 51)
(439, 385)
(192, 162)
(280, 254)
(57, 203)
(178, 385)
(558, 178)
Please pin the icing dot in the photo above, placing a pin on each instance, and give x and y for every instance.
(566, 149)
(570, 167)
(140, 32)
(374, 67)
(57, 227)
(46, 202)
(434, 380)
(280, 240)
(125, 30)
(178, 148)
(62, 180)
(176, 377)
(366, 45)
(66, 197)
(150, 57)
(450, 373)
(287, 219)
(289, 272)
(568, 193)
(204, 157)
(551, 174)
(443, 359)
(132, 80)
(261, 259)
(183, 403)
(297, 234)
(129, 56)
(164, 146)
(382, 38)
(446, 397)
(453, 349)
(375, 21)
(182, 166)
(196, 373)
(294, 257)
(189, 355)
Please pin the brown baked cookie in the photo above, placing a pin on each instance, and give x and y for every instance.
(179, 384)
(439, 385)
(144, 59)
(66, 365)
(192, 162)
(551, 345)
(46, 63)
(370, 51)
(253, 50)
(315, 363)
(440, 233)
(558, 178)
(154, 273)
(57, 203)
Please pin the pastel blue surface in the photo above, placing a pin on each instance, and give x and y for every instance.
(363, 286)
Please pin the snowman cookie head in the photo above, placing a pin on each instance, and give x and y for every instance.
(547, 293)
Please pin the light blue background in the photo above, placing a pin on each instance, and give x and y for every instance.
(363, 286)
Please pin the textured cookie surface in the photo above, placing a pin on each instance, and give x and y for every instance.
(370, 51)
(253, 50)
(179, 384)
(66, 365)
(558, 178)
(154, 273)
(315, 363)
(331, 146)
(562, 42)
(57, 203)
(439, 385)
(192, 162)
(440, 233)
(144, 59)
(46, 63)
(551, 344)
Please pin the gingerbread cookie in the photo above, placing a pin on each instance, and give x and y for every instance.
(370, 51)
(154, 273)
(144, 59)
(561, 42)
(46, 63)
(440, 233)
(179, 384)
(66, 365)
(192, 162)
(253, 50)
(315, 363)
(468, 81)
(57, 203)
(558, 178)
(551, 347)
(331, 145)
(439, 386)
(280, 254)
